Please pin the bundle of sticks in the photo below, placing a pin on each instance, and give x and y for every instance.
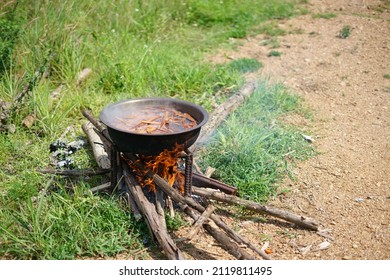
(152, 208)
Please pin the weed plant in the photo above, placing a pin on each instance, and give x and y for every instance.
(345, 32)
(274, 53)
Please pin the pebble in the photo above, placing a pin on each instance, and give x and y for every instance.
(324, 245)
(354, 246)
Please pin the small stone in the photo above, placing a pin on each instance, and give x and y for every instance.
(354, 246)
(359, 199)
(333, 223)
(346, 258)
(324, 245)
(11, 128)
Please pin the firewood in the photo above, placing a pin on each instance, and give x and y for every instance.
(153, 220)
(75, 172)
(209, 171)
(200, 180)
(170, 207)
(101, 187)
(99, 126)
(160, 206)
(230, 246)
(279, 213)
(101, 156)
(200, 221)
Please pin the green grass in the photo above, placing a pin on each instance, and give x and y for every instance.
(56, 225)
(271, 29)
(245, 65)
(253, 150)
(135, 49)
(324, 15)
(274, 53)
(345, 32)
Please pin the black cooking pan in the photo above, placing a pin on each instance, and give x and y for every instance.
(151, 144)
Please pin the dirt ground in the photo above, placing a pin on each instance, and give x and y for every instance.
(346, 82)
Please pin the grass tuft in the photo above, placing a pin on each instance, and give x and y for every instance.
(345, 32)
(274, 53)
(324, 15)
(245, 65)
(252, 150)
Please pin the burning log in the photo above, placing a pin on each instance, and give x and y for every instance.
(154, 221)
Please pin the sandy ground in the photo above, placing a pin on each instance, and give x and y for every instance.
(346, 83)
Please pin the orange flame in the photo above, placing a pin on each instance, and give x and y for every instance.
(165, 165)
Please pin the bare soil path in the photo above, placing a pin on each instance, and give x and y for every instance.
(346, 82)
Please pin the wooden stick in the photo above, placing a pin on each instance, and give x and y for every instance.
(200, 180)
(101, 156)
(152, 218)
(279, 213)
(160, 206)
(75, 173)
(88, 114)
(200, 221)
(170, 207)
(230, 246)
(100, 187)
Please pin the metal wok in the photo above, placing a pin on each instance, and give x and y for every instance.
(151, 144)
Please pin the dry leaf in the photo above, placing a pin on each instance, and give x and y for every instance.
(29, 120)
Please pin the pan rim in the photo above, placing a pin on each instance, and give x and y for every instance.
(104, 116)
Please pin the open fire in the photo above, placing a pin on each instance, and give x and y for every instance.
(164, 164)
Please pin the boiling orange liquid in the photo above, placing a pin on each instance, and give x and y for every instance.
(155, 120)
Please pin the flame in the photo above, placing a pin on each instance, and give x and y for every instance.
(165, 165)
